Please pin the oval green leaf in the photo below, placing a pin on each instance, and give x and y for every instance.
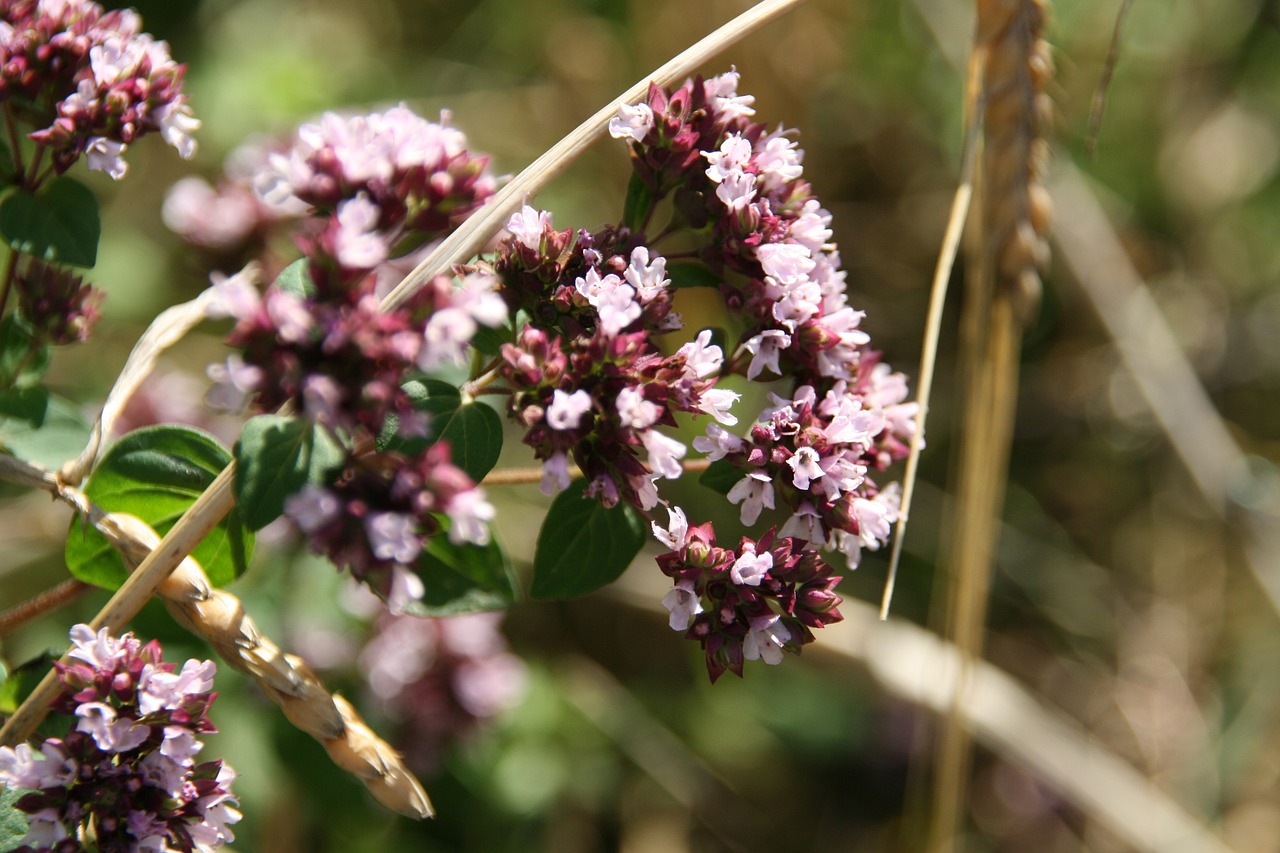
(60, 223)
(275, 457)
(473, 430)
(583, 545)
(156, 474)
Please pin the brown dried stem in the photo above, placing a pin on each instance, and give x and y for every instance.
(1007, 248)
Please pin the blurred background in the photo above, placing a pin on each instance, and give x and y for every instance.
(1123, 597)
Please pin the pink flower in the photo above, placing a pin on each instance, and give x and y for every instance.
(683, 603)
(750, 568)
(755, 493)
(631, 122)
(566, 410)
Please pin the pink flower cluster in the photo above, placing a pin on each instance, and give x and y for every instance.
(57, 305)
(127, 772)
(597, 391)
(376, 517)
(360, 192)
(440, 679)
(767, 241)
(90, 82)
(751, 603)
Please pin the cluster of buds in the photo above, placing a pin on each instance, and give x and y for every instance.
(596, 391)
(57, 305)
(440, 679)
(751, 603)
(376, 517)
(126, 775)
(90, 82)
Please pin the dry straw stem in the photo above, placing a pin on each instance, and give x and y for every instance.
(1007, 247)
(468, 240)
(218, 617)
(1092, 252)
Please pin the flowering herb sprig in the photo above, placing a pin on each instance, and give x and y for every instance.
(577, 332)
(125, 778)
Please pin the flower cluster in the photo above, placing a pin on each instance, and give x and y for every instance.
(376, 517)
(596, 391)
(766, 240)
(440, 679)
(751, 603)
(57, 305)
(126, 775)
(362, 194)
(90, 82)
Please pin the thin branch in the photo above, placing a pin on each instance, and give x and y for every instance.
(48, 601)
(933, 328)
(1104, 83)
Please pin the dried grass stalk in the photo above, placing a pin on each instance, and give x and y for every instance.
(1007, 249)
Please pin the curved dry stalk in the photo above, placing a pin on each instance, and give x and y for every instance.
(218, 617)
(933, 329)
(1007, 248)
(219, 498)
(169, 327)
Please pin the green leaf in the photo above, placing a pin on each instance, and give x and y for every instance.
(60, 223)
(156, 474)
(692, 274)
(19, 684)
(473, 430)
(489, 341)
(41, 427)
(275, 457)
(583, 545)
(639, 201)
(463, 578)
(13, 823)
(720, 476)
(22, 359)
(296, 279)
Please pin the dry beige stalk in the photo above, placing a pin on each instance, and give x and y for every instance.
(1007, 249)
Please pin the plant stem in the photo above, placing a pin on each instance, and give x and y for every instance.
(10, 270)
(46, 602)
(14, 142)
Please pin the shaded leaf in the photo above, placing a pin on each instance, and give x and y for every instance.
(463, 578)
(156, 474)
(296, 279)
(41, 427)
(691, 274)
(275, 457)
(60, 223)
(22, 360)
(13, 823)
(720, 476)
(638, 203)
(583, 545)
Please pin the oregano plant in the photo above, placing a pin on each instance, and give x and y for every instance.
(373, 425)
